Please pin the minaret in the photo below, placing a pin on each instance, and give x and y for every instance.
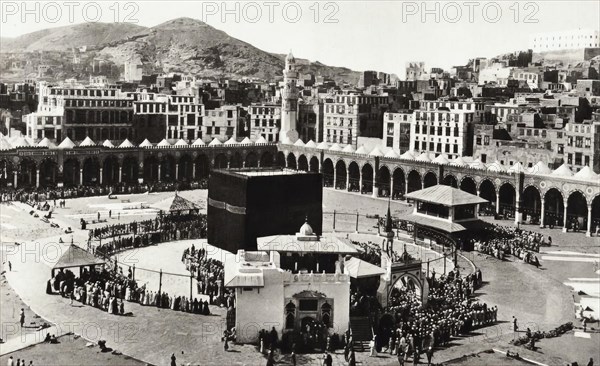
(289, 101)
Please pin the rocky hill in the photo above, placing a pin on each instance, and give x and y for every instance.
(181, 45)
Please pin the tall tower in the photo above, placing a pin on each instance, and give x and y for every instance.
(289, 100)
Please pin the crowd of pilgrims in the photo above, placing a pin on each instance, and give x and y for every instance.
(500, 241)
(109, 289)
(148, 232)
(209, 272)
(42, 194)
(450, 312)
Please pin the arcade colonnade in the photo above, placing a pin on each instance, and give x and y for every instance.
(538, 199)
(544, 199)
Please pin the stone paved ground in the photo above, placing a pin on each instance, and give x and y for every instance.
(534, 295)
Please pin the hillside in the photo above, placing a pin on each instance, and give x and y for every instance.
(181, 45)
(64, 38)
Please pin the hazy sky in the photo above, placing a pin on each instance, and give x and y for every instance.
(362, 35)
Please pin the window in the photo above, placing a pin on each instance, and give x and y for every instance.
(478, 140)
(560, 149)
(483, 158)
(569, 158)
(308, 305)
(486, 140)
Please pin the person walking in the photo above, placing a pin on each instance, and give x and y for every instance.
(9, 266)
(22, 317)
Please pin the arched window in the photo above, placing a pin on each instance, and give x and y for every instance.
(290, 315)
(326, 314)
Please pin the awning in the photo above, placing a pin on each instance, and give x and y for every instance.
(77, 257)
(175, 203)
(290, 244)
(442, 225)
(357, 268)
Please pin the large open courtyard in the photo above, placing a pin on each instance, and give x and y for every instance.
(541, 298)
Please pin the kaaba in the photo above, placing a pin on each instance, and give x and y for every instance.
(245, 204)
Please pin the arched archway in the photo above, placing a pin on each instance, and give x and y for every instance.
(340, 175)
(91, 171)
(48, 172)
(553, 208)
(27, 173)
(328, 173)
(354, 175)
(404, 283)
(414, 181)
(367, 178)
(202, 167)
(291, 161)
(236, 160)
(467, 184)
(302, 163)
(487, 191)
(71, 172)
(281, 160)
(167, 169)
(251, 160)
(507, 200)
(596, 214)
(130, 170)
(151, 165)
(576, 211)
(451, 181)
(314, 164)
(6, 173)
(531, 205)
(430, 180)
(266, 160)
(185, 168)
(110, 170)
(384, 181)
(221, 161)
(399, 184)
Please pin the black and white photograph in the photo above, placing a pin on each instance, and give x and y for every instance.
(309, 182)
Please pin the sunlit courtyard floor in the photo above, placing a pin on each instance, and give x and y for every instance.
(538, 297)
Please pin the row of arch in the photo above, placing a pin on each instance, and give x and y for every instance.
(551, 207)
(111, 170)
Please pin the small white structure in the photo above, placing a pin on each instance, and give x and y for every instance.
(293, 280)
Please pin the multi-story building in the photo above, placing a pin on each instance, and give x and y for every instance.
(222, 123)
(396, 131)
(477, 107)
(443, 132)
(564, 40)
(588, 87)
(310, 121)
(583, 144)
(159, 116)
(265, 121)
(348, 116)
(98, 112)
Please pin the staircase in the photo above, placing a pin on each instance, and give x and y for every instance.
(362, 333)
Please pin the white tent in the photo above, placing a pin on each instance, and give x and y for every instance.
(423, 157)
(408, 155)
(126, 143)
(311, 144)
(215, 142)
(586, 174)
(540, 168)
(335, 147)
(496, 167)
(349, 149)
(66, 144)
(441, 159)
(108, 144)
(261, 140)
(231, 141)
(376, 152)
(361, 150)
(87, 142)
(164, 143)
(563, 171)
(246, 141)
(299, 143)
(391, 154)
(323, 146)
(146, 143)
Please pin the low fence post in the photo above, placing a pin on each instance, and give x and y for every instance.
(334, 220)
(133, 273)
(357, 222)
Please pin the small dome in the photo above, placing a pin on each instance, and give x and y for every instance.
(290, 58)
(306, 230)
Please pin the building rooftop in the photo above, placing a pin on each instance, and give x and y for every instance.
(446, 196)
(295, 244)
